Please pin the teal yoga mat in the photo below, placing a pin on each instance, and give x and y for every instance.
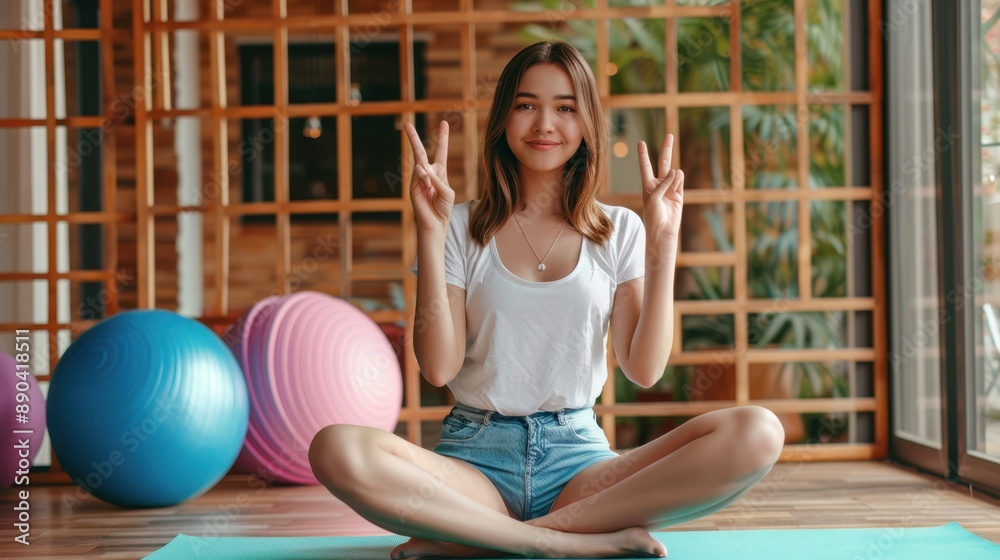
(947, 542)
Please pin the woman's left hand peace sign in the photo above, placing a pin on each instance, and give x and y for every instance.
(663, 197)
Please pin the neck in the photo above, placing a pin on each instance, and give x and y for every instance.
(541, 194)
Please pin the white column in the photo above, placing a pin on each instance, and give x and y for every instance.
(187, 144)
(24, 183)
(23, 166)
(62, 178)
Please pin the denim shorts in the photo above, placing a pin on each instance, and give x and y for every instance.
(528, 458)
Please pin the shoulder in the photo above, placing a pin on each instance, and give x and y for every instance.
(624, 219)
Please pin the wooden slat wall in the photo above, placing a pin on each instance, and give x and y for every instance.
(106, 35)
(137, 180)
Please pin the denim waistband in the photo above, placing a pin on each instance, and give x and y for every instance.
(487, 416)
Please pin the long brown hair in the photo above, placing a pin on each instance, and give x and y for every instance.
(498, 176)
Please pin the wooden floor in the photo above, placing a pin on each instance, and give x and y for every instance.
(821, 495)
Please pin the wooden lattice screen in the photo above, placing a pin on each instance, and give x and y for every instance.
(463, 45)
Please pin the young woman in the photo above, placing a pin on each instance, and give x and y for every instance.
(515, 295)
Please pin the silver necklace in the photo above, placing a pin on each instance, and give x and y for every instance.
(541, 264)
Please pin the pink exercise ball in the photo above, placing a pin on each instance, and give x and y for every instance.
(310, 360)
(22, 399)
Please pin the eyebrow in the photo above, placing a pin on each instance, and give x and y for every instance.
(533, 96)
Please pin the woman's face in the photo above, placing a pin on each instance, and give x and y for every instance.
(543, 128)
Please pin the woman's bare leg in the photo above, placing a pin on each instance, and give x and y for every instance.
(696, 469)
(412, 491)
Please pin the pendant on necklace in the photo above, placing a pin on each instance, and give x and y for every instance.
(541, 266)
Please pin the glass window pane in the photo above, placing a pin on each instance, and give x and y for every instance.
(984, 421)
(914, 358)
(984, 410)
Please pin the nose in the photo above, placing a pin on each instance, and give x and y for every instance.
(543, 121)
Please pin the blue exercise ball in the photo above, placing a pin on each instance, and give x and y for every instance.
(147, 409)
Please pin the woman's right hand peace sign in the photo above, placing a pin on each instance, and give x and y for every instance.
(430, 194)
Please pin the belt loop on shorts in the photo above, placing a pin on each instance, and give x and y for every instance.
(561, 416)
(486, 421)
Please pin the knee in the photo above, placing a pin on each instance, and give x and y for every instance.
(334, 454)
(760, 435)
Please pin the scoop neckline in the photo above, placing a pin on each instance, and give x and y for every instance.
(503, 268)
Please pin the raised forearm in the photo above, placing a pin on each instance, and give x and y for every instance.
(654, 333)
(434, 343)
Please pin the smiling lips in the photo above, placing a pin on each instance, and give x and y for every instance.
(542, 145)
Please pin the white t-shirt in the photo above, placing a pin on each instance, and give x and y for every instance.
(538, 346)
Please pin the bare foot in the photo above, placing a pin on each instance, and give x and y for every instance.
(426, 548)
(630, 542)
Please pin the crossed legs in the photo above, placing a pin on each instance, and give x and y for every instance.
(696, 469)
(412, 491)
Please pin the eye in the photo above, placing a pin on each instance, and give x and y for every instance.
(524, 106)
(569, 108)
